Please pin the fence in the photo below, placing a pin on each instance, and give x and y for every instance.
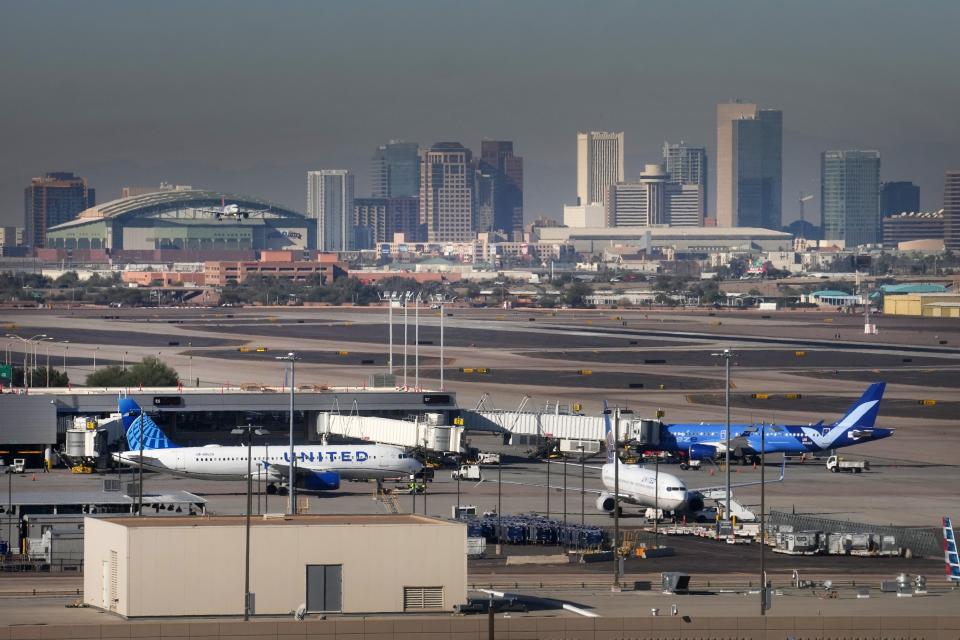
(920, 541)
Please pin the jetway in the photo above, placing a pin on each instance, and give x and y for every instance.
(560, 426)
(427, 433)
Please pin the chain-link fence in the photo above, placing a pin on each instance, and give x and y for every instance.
(925, 542)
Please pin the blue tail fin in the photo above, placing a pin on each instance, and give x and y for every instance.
(139, 425)
(864, 411)
(608, 433)
(950, 551)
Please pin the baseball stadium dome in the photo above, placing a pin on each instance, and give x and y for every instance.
(190, 219)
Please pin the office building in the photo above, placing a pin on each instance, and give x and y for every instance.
(687, 165)
(330, 203)
(381, 218)
(599, 165)
(912, 225)
(484, 193)
(11, 236)
(749, 166)
(951, 210)
(395, 170)
(850, 196)
(497, 159)
(654, 201)
(51, 200)
(899, 197)
(583, 215)
(446, 193)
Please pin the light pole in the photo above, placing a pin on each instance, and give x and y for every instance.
(292, 359)
(26, 354)
(47, 345)
(249, 431)
(65, 347)
(406, 302)
(95, 349)
(616, 500)
(548, 485)
(9, 472)
(764, 604)
(123, 361)
(583, 480)
(726, 354)
(443, 313)
(416, 341)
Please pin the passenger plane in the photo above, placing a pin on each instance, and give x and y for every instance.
(708, 440)
(316, 467)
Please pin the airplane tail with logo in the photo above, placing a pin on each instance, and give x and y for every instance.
(139, 425)
(857, 424)
(608, 434)
(950, 551)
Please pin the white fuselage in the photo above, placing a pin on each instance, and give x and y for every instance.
(640, 486)
(215, 462)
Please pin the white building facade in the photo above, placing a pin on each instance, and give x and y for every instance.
(330, 202)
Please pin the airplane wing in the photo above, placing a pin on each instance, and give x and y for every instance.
(719, 491)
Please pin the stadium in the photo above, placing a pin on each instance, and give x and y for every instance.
(190, 221)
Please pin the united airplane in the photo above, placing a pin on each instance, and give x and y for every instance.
(316, 467)
(705, 441)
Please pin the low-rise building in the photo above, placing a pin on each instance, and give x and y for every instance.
(909, 226)
(276, 264)
(359, 564)
(932, 305)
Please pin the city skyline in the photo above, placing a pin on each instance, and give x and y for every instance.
(253, 125)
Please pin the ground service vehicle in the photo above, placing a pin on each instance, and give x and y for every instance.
(466, 472)
(488, 458)
(836, 463)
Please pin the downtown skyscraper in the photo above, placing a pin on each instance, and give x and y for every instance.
(53, 199)
(330, 203)
(951, 210)
(850, 196)
(506, 169)
(599, 165)
(395, 170)
(687, 166)
(749, 166)
(447, 193)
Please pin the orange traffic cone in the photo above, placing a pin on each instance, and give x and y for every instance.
(34, 478)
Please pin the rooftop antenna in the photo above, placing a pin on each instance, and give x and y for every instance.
(803, 199)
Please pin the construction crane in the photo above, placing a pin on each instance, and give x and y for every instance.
(803, 199)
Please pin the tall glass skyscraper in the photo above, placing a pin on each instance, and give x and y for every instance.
(749, 166)
(899, 197)
(447, 193)
(51, 200)
(850, 196)
(497, 159)
(395, 170)
(687, 166)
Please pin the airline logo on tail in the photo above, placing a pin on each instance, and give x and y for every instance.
(140, 426)
(856, 424)
(950, 551)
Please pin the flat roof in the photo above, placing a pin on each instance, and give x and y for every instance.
(82, 497)
(278, 519)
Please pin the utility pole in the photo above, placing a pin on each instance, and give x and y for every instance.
(249, 431)
(291, 485)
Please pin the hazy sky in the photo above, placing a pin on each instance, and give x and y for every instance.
(247, 96)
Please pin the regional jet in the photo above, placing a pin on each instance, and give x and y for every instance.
(316, 467)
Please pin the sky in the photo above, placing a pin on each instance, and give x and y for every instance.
(246, 97)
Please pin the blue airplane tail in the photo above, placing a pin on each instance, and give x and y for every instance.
(139, 425)
(863, 413)
(950, 551)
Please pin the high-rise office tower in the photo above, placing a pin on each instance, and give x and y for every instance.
(485, 191)
(395, 170)
(951, 210)
(749, 166)
(687, 166)
(330, 202)
(51, 200)
(497, 159)
(381, 218)
(654, 201)
(446, 193)
(899, 197)
(599, 165)
(850, 196)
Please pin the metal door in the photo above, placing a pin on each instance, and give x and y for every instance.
(324, 586)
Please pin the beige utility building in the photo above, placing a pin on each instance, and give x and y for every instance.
(194, 566)
(931, 305)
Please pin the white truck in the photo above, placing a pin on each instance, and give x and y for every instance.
(488, 458)
(19, 465)
(466, 472)
(836, 464)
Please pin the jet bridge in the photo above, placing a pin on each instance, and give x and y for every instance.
(561, 426)
(426, 431)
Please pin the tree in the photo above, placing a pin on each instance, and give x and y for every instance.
(576, 294)
(38, 377)
(149, 372)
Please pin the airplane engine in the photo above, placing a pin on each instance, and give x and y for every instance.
(321, 481)
(702, 452)
(694, 501)
(605, 502)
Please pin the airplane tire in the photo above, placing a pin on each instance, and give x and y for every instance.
(684, 466)
(271, 489)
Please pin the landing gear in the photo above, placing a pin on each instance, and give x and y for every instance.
(272, 489)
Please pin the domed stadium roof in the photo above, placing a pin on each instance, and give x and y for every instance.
(159, 202)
